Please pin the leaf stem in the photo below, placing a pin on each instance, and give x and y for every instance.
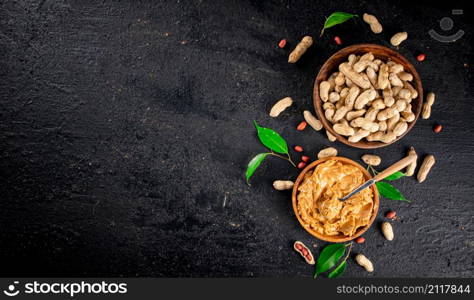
(348, 252)
(291, 161)
(373, 170)
(282, 157)
(278, 155)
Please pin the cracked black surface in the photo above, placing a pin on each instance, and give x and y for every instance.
(125, 129)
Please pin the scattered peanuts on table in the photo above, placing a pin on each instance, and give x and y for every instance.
(374, 23)
(282, 185)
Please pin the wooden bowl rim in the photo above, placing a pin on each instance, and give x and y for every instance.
(392, 54)
(339, 238)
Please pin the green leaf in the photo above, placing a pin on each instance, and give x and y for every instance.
(271, 139)
(253, 165)
(395, 176)
(338, 270)
(336, 18)
(389, 191)
(329, 257)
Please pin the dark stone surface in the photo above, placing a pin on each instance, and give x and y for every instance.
(125, 128)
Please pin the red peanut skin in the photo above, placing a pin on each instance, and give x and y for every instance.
(391, 215)
(298, 149)
(301, 126)
(304, 252)
(282, 43)
(301, 165)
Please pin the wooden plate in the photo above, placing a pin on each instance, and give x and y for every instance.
(335, 238)
(383, 53)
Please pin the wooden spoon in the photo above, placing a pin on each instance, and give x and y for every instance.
(385, 173)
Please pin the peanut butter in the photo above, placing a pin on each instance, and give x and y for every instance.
(318, 199)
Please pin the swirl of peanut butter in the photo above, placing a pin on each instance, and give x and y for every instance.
(318, 199)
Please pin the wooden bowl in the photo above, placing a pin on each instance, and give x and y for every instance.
(383, 53)
(335, 238)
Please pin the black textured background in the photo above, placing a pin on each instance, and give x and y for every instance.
(126, 126)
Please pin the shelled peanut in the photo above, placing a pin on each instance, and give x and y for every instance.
(300, 49)
(304, 252)
(426, 112)
(410, 170)
(327, 152)
(281, 185)
(425, 168)
(398, 38)
(387, 231)
(370, 159)
(375, 25)
(368, 98)
(364, 262)
(331, 137)
(312, 120)
(280, 106)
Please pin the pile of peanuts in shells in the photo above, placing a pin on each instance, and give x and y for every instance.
(367, 98)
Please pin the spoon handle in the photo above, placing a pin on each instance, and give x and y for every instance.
(395, 167)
